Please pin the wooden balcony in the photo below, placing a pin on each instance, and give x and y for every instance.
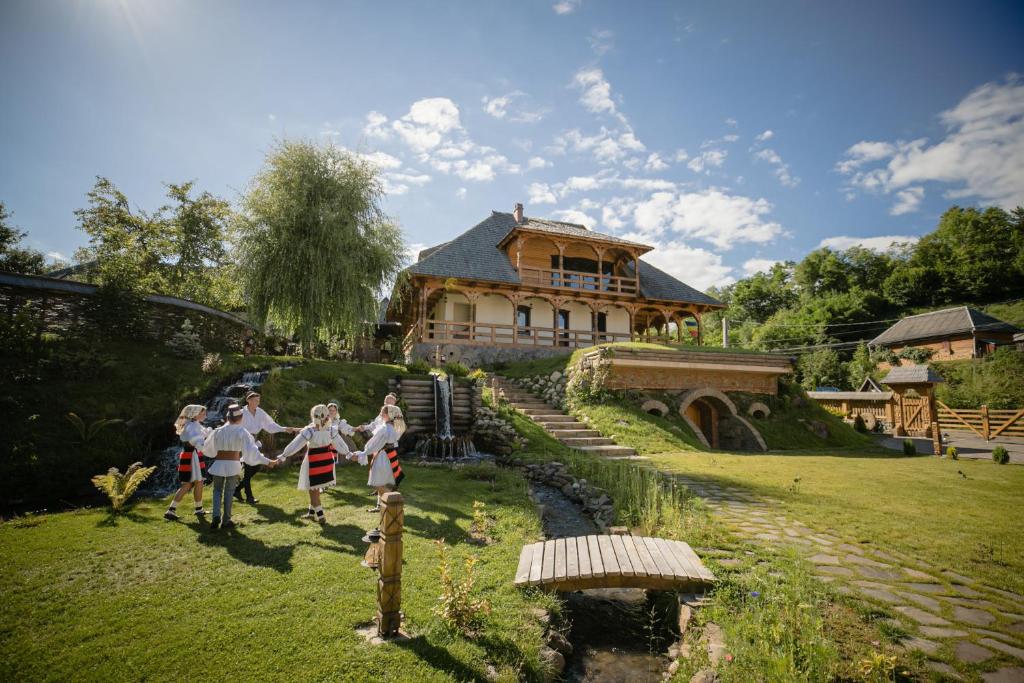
(573, 279)
(443, 331)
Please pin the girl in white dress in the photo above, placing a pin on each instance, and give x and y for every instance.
(338, 421)
(191, 466)
(323, 444)
(382, 452)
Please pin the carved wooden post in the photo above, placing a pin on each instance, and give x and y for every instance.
(389, 582)
(984, 422)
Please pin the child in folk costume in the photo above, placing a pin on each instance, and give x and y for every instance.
(323, 444)
(382, 450)
(191, 466)
(228, 444)
(255, 420)
(371, 426)
(338, 421)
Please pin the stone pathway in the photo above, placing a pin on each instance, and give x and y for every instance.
(949, 616)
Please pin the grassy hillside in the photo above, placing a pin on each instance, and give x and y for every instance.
(1012, 312)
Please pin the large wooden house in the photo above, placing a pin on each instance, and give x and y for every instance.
(518, 287)
(951, 334)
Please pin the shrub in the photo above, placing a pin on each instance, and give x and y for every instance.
(1000, 455)
(185, 342)
(916, 354)
(418, 367)
(478, 376)
(212, 363)
(120, 487)
(454, 369)
(456, 606)
(952, 453)
(909, 448)
(858, 424)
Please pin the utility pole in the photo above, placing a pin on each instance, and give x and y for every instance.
(725, 333)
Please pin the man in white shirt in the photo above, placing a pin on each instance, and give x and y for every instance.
(255, 420)
(228, 444)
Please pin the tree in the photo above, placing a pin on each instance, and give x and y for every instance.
(860, 366)
(13, 257)
(764, 294)
(820, 368)
(316, 248)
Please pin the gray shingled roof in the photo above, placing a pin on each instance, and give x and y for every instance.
(563, 228)
(475, 255)
(911, 374)
(937, 324)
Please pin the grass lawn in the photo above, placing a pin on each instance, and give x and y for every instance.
(93, 597)
(923, 506)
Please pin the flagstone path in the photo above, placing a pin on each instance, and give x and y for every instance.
(949, 616)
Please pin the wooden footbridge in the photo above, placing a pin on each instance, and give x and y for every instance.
(616, 561)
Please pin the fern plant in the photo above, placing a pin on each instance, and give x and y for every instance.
(88, 432)
(212, 363)
(120, 487)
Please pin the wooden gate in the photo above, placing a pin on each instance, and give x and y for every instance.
(915, 415)
(988, 424)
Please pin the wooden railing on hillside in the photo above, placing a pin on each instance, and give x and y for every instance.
(986, 423)
(573, 279)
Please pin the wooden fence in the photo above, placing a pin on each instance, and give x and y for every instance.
(986, 423)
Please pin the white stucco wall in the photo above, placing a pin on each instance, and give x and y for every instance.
(494, 309)
(618, 320)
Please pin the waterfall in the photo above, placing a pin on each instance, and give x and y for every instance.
(443, 407)
(443, 443)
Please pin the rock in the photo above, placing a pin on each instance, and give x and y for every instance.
(705, 676)
(553, 663)
(967, 651)
(715, 639)
(1011, 674)
(559, 642)
(555, 376)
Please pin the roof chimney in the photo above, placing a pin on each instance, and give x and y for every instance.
(518, 213)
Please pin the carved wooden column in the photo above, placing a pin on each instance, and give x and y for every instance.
(636, 271)
(520, 241)
(389, 581)
(556, 303)
(700, 329)
(600, 271)
(561, 263)
(472, 296)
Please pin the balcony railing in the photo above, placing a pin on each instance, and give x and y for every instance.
(574, 279)
(515, 335)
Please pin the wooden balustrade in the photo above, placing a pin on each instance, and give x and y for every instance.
(574, 279)
(502, 334)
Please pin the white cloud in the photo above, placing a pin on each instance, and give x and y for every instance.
(56, 256)
(907, 201)
(412, 179)
(880, 243)
(461, 193)
(412, 251)
(538, 162)
(540, 193)
(981, 155)
(781, 169)
(712, 158)
(497, 106)
(271, 117)
(766, 135)
(697, 267)
(711, 215)
(576, 216)
(681, 155)
(376, 126)
(601, 41)
(730, 138)
(607, 146)
(427, 122)
(655, 163)
(596, 94)
(758, 265)
(382, 160)
(731, 122)
(566, 6)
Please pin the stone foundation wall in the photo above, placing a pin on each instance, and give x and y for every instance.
(474, 356)
(627, 377)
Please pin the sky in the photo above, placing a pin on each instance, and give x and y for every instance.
(727, 135)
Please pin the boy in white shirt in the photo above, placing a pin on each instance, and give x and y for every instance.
(255, 420)
(228, 444)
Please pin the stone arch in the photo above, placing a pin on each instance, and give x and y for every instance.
(654, 407)
(758, 410)
(716, 411)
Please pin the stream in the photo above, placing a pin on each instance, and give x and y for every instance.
(634, 649)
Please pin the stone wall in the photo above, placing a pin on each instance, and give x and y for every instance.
(63, 305)
(474, 356)
(672, 379)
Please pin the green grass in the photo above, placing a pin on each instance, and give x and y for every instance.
(630, 426)
(1012, 312)
(93, 597)
(922, 506)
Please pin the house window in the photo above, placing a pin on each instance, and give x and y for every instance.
(947, 347)
(602, 322)
(523, 316)
(562, 320)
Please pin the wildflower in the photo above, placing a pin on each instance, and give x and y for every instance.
(755, 594)
(728, 658)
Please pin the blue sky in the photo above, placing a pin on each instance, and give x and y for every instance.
(726, 134)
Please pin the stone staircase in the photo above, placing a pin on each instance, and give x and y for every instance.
(565, 428)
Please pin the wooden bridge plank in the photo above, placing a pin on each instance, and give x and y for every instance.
(572, 560)
(535, 563)
(548, 572)
(639, 568)
(688, 567)
(664, 568)
(645, 556)
(611, 565)
(625, 566)
(525, 560)
(703, 571)
(678, 569)
(559, 559)
(594, 557)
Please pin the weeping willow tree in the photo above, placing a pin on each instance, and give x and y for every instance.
(316, 248)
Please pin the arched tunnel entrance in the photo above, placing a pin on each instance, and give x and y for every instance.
(713, 418)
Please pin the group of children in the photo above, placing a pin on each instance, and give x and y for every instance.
(230, 455)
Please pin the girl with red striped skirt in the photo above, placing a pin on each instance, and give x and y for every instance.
(191, 466)
(323, 445)
(382, 451)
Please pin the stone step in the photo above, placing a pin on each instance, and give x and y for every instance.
(532, 405)
(607, 450)
(576, 441)
(551, 417)
(560, 433)
(546, 411)
(551, 427)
